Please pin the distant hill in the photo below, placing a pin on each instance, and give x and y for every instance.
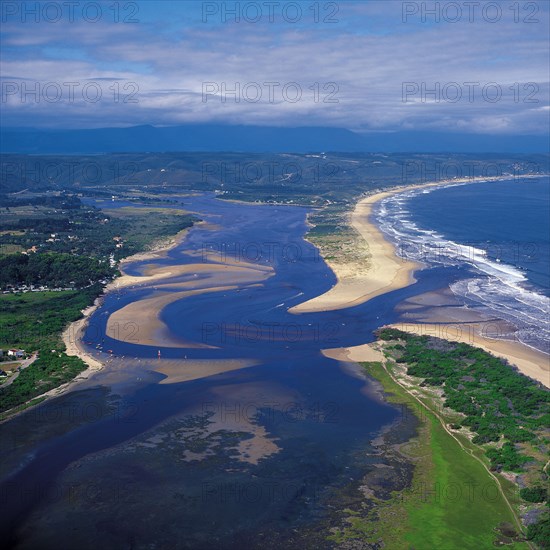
(256, 139)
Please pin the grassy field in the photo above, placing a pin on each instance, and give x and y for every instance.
(145, 227)
(35, 320)
(453, 503)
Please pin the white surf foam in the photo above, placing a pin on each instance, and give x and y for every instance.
(501, 289)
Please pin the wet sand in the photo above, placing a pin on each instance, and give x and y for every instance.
(216, 275)
(74, 331)
(386, 271)
(389, 272)
(183, 370)
(143, 316)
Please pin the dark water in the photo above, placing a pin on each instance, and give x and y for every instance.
(108, 465)
(510, 220)
(500, 230)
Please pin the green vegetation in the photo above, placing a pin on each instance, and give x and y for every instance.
(69, 244)
(539, 533)
(330, 182)
(497, 402)
(507, 457)
(145, 226)
(440, 509)
(48, 372)
(481, 395)
(534, 494)
(340, 244)
(52, 270)
(73, 245)
(22, 407)
(34, 321)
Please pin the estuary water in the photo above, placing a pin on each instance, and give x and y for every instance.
(256, 457)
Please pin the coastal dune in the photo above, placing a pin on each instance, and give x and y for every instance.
(386, 271)
(529, 361)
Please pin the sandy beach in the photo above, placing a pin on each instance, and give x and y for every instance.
(386, 270)
(363, 352)
(73, 332)
(529, 361)
(389, 272)
(139, 322)
(71, 338)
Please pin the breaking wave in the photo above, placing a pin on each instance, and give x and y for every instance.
(502, 290)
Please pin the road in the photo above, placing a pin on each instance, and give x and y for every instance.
(23, 365)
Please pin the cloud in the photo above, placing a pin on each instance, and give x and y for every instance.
(351, 73)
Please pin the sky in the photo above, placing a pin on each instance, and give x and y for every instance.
(389, 65)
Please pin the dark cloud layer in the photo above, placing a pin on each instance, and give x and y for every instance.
(370, 66)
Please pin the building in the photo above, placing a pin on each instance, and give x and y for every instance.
(17, 353)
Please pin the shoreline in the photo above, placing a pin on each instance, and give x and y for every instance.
(157, 250)
(345, 293)
(70, 338)
(71, 335)
(351, 291)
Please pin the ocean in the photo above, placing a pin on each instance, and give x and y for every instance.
(498, 230)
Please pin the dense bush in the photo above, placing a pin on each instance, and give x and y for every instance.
(534, 494)
(507, 458)
(52, 270)
(498, 401)
(539, 533)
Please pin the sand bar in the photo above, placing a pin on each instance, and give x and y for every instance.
(154, 273)
(208, 276)
(387, 271)
(363, 352)
(183, 370)
(142, 317)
